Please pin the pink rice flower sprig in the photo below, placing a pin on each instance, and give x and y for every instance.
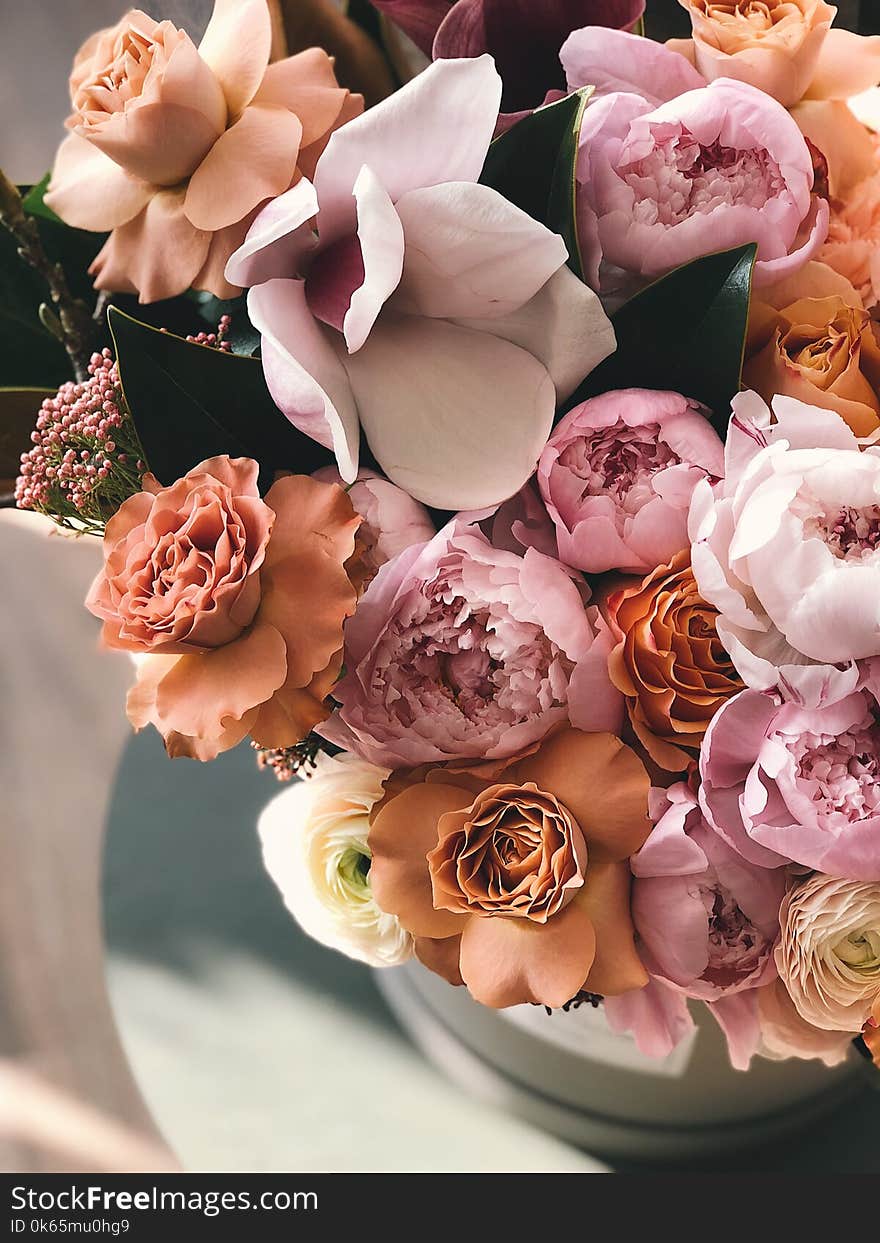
(86, 458)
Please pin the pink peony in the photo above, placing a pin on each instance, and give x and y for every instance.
(617, 477)
(392, 520)
(782, 783)
(714, 168)
(787, 548)
(707, 919)
(426, 310)
(458, 649)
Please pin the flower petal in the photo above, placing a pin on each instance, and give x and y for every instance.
(470, 253)
(158, 253)
(406, 139)
(605, 898)
(402, 834)
(277, 240)
(203, 694)
(236, 45)
(564, 326)
(657, 1016)
(381, 246)
(254, 160)
(305, 377)
(306, 85)
(455, 418)
(417, 18)
(602, 783)
(509, 962)
(848, 64)
(613, 60)
(89, 191)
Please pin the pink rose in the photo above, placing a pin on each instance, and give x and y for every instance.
(707, 920)
(786, 548)
(783, 783)
(711, 169)
(234, 602)
(399, 299)
(173, 148)
(392, 520)
(617, 477)
(458, 649)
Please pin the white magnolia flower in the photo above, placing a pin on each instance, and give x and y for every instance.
(314, 837)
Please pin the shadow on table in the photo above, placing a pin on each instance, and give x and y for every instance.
(182, 867)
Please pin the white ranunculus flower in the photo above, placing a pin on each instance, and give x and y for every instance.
(314, 837)
(787, 548)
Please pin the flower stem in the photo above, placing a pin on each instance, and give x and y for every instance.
(69, 319)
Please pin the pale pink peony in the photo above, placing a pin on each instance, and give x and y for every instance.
(707, 920)
(392, 520)
(173, 148)
(787, 548)
(617, 477)
(459, 649)
(714, 168)
(426, 311)
(783, 783)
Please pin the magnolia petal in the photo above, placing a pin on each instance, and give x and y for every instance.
(236, 45)
(381, 247)
(508, 962)
(254, 160)
(471, 254)
(278, 239)
(90, 191)
(406, 139)
(417, 18)
(305, 377)
(564, 326)
(455, 418)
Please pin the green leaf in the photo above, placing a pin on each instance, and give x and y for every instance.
(686, 332)
(190, 402)
(242, 335)
(533, 165)
(34, 201)
(29, 355)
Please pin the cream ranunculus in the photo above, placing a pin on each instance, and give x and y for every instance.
(828, 954)
(314, 837)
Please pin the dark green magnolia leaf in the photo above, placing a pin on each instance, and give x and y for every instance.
(34, 201)
(686, 332)
(533, 165)
(190, 402)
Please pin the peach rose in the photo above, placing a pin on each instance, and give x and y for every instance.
(174, 149)
(783, 47)
(821, 346)
(669, 662)
(852, 246)
(785, 1034)
(513, 876)
(828, 954)
(235, 604)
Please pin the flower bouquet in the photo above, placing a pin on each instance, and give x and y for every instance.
(502, 460)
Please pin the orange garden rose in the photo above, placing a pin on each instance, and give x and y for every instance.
(669, 662)
(235, 604)
(173, 148)
(852, 247)
(513, 876)
(821, 347)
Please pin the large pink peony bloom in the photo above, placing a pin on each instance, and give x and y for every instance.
(617, 477)
(458, 649)
(782, 783)
(714, 168)
(426, 310)
(173, 148)
(707, 920)
(787, 548)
